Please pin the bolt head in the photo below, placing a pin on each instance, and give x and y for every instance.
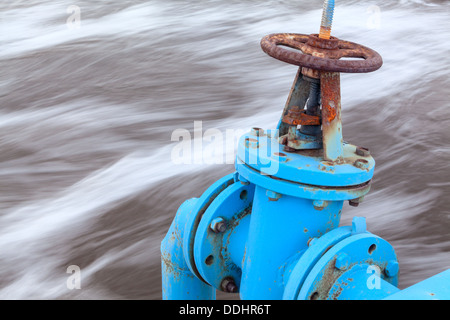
(355, 202)
(218, 225)
(361, 164)
(257, 132)
(359, 225)
(272, 195)
(320, 204)
(228, 285)
(392, 268)
(342, 261)
(251, 143)
(363, 152)
(280, 156)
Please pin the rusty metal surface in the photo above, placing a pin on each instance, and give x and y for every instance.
(296, 116)
(331, 116)
(321, 54)
(298, 96)
(343, 271)
(296, 141)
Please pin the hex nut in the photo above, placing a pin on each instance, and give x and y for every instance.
(218, 225)
(363, 152)
(228, 285)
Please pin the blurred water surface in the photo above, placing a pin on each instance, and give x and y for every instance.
(87, 113)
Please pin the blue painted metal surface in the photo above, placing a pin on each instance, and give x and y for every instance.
(178, 282)
(434, 288)
(307, 166)
(338, 273)
(213, 256)
(271, 230)
(193, 220)
(280, 227)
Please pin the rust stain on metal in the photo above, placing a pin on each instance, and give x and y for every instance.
(170, 267)
(321, 54)
(323, 287)
(330, 85)
(280, 154)
(296, 117)
(197, 220)
(337, 293)
(331, 96)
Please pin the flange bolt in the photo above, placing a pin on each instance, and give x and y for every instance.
(228, 285)
(391, 268)
(363, 152)
(218, 225)
(342, 261)
(257, 132)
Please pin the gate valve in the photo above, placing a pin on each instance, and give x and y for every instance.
(314, 102)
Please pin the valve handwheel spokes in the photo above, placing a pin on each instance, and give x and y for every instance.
(321, 54)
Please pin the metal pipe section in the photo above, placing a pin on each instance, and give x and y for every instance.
(237, 240)
(178, 282)
(362, 282)
(280, 227)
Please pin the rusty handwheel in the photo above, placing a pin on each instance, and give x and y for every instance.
(321, 54)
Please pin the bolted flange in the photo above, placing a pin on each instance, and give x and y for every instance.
(213, 247)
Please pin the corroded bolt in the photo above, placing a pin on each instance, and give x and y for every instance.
(361, 163)
(251, 143)
(289, 149)
(218, 225)
(320, 204)
(294, 112)
(355, 202)
(281, 157)
(272, 195)
(243, 180)
(228, 285)
(257, 132)
(363, 152)
(391, 268)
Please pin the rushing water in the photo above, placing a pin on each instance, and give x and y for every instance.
(89, 105)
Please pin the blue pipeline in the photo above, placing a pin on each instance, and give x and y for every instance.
(279, 238)
(178, 282)
(280, 227)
